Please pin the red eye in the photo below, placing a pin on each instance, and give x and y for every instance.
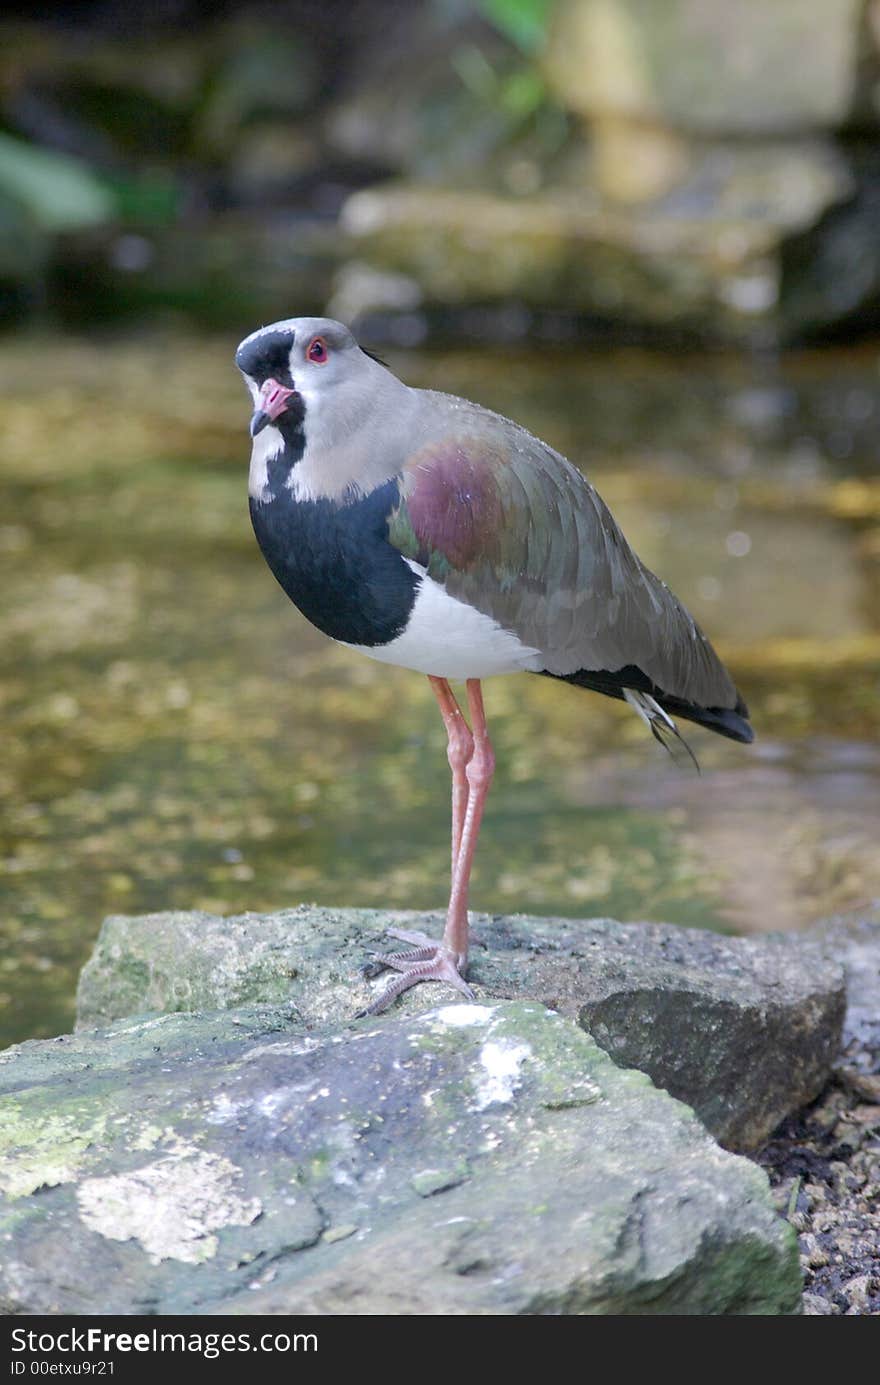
(317, 351)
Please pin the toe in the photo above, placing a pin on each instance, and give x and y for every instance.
(439, 966)
(406, 935)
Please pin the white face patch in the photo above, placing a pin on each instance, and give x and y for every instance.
(267, 444)
(253, 388)
(309, 478)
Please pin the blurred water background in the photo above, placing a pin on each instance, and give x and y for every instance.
(569, 212)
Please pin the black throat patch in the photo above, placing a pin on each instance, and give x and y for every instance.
(333, 558)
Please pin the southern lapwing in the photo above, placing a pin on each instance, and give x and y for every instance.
(427, 531)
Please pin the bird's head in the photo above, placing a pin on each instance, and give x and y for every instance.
(305, 371)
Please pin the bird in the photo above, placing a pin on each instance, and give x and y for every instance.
(426, 531)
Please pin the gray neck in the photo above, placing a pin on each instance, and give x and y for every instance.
(355, 438)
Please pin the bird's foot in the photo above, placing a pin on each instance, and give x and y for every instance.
(423, 948)
(427, 960)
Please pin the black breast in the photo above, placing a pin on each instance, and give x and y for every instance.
(335, 563)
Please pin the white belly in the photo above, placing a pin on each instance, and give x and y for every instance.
(449, 639)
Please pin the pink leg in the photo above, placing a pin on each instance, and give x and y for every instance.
(446, 960)
(459, 749)
(480, 769)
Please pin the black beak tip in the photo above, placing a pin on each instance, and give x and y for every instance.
(258, 422)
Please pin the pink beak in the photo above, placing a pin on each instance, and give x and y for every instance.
(273, 403)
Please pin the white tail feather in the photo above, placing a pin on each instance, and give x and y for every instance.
(649, 710)
(657, 720)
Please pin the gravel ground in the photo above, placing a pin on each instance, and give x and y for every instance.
(824, 1162)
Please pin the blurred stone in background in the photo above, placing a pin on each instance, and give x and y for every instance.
(726, 187)
(685, 168)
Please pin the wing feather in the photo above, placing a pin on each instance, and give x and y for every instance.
(508, 525)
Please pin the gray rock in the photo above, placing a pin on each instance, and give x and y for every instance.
(824, 1164)
(467, 1159)
(709, 66)
(816, 1306)
(854, 940)
(737, 245)
(743, 1029)
(831, 272)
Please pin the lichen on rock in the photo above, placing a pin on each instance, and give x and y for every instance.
(171, 1207)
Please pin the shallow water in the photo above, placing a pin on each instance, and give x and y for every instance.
(176, 735)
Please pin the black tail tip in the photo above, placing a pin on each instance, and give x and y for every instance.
(740, 719)
(732, 724)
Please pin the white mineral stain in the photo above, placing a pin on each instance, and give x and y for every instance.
(171, 1206)
(224, 1109)
(457, 1016)
(270, 1104)
(287, 1048)
(501, 1061)
(142, 1026)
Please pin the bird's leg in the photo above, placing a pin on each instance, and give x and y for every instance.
(459, 749)
(479, 771)
(472, 763)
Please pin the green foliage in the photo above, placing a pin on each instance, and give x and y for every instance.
(58, 193)
(517, 94)
(523, 21)
(151, 199)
